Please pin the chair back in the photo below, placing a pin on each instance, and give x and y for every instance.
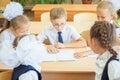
(85, 17)
(45, 17)
(37, 27)
(86, 35)
(82, 26)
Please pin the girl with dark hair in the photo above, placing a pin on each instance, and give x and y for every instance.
(102, 38)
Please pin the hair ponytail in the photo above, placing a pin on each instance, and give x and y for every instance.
(5, 25)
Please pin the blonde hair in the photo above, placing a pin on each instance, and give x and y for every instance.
(19, 21)
(57, 12)
(15, 22)
(107, 5)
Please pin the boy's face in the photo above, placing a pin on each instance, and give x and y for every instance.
(104, 15)
(22, 30)
(59, 23)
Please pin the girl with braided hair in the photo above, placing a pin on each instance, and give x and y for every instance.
(102, 36)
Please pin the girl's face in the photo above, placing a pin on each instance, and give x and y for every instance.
(104, 15)
(59, 23)
(95, 46)
(22, 30)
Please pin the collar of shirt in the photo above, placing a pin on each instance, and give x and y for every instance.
(111, 21)
(105, 55)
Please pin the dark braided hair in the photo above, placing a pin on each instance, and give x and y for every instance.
(104, 32)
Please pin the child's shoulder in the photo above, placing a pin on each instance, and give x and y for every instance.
(6, 31)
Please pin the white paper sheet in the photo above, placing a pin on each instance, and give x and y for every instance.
(63, 55)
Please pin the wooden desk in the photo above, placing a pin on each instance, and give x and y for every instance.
(70, 8)
(82, 69)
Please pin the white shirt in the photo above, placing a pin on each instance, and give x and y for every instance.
(68, 34)
(118, 33)
(117, 29)
(7, 35)
(113, 67)
(28, 52)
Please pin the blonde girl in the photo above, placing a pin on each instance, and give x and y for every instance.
(106, 11)
(116, 4)
(17, 23)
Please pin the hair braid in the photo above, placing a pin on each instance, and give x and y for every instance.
(104, 32)
(112, 51)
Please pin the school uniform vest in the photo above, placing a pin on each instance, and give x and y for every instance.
(23, 69)
(105, 71)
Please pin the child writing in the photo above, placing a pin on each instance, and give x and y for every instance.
(102, 36)
(24, 56)
(17, 23)
(60, 34)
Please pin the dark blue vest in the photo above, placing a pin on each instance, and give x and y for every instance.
(105, 71)
(23, 69)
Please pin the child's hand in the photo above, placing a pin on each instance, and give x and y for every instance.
(59, 45)
(52, 49)
(83, 54)
(79, 55)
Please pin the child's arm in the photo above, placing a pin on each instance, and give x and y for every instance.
(8, 54)
(52, 49)
(83, 54)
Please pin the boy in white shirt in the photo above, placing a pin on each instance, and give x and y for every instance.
(59, 28)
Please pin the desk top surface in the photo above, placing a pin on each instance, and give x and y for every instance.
(68, 7)
(83, 65)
